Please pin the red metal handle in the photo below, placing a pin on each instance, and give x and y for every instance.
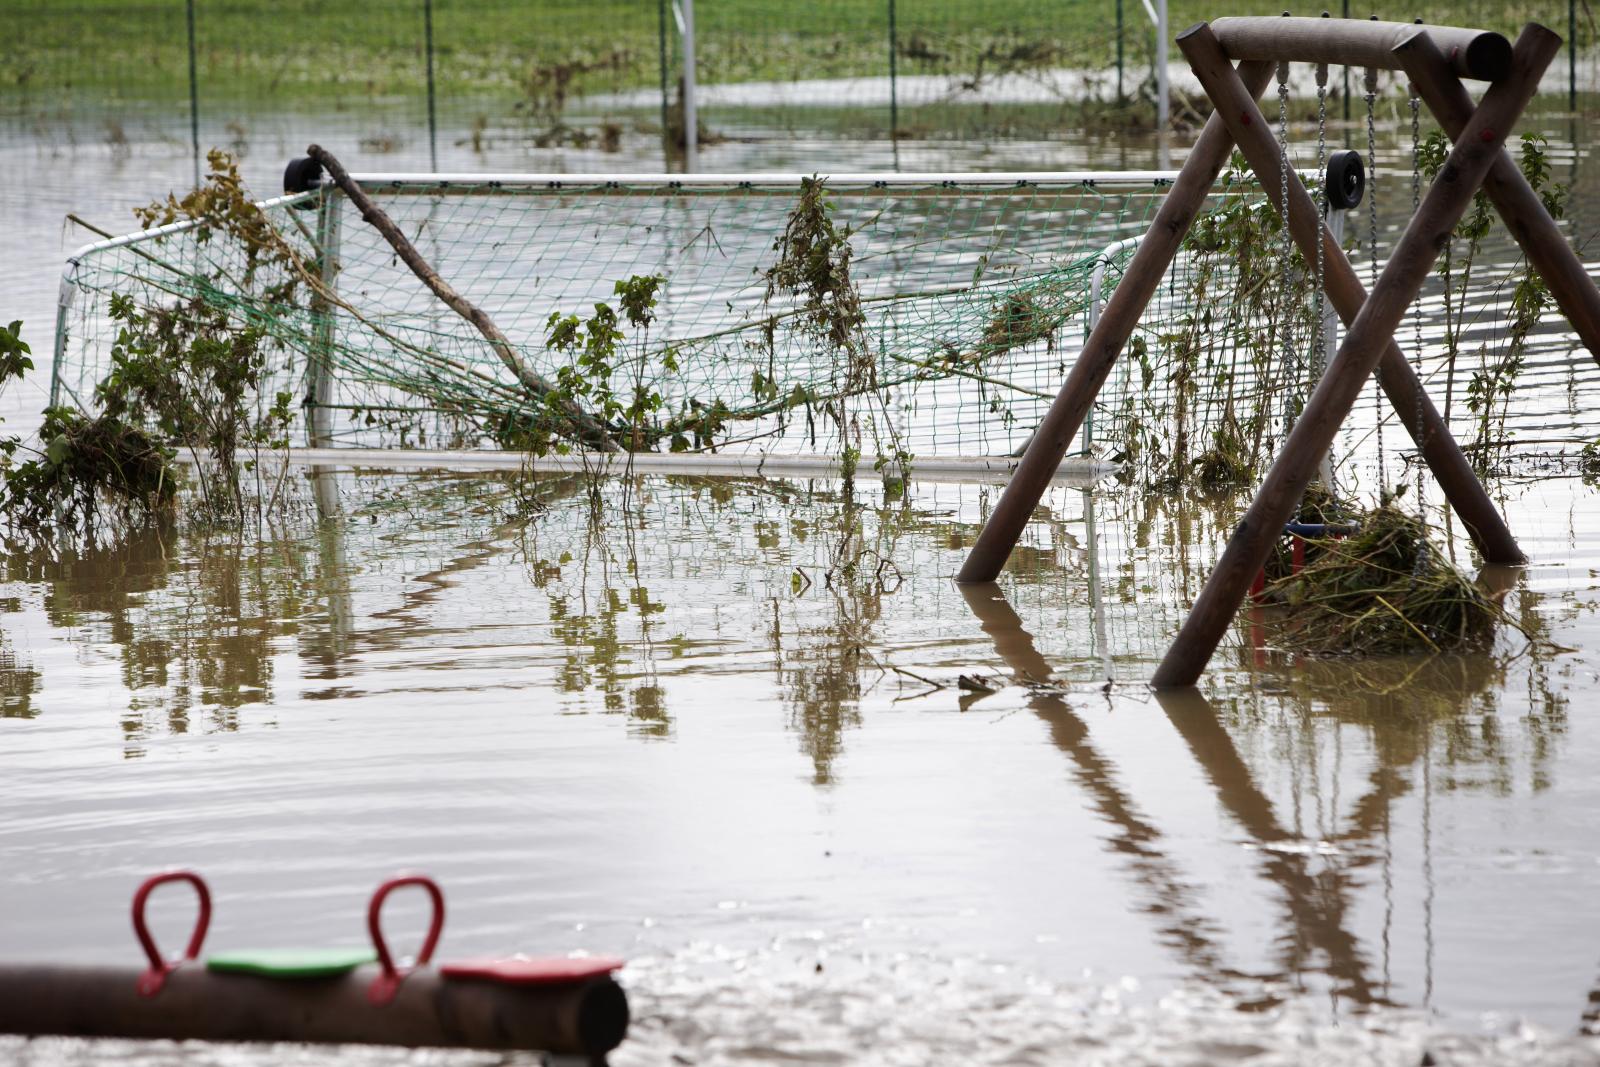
(387, 984)
(152, 980)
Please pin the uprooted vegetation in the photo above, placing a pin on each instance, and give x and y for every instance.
(180, 386)
(614, 370)
(814, 266)
(1211, 389)
(185, 383)
(80, 465)
(1234, 346)
(1385, 588)
(598, 351)
(1500, 363)
(88, 471)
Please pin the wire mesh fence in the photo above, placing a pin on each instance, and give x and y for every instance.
(569, 73)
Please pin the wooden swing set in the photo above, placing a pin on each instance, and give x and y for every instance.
(1435, 59)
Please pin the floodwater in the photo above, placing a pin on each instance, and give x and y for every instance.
(718, 727)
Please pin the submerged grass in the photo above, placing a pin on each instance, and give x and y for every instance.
(1385, 589)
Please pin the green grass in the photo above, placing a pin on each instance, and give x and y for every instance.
(341, 52)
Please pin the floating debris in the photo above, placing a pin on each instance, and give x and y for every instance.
(1383, 589)
(977, 683)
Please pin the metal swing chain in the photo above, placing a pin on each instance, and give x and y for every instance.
(1319, 331)
(1288, 238)
(1372, 248)
(1420, 563)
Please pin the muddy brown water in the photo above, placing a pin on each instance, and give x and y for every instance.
(716, 727)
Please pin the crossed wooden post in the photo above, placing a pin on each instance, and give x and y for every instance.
(1435, 58)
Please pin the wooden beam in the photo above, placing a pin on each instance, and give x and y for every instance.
(582, 1018)
(1410, 264)
(1105, 342)
(1477, 54)
(585, 427)
(1444, 457)
(1524, 213)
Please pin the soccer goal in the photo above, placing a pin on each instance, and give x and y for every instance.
(880, 318)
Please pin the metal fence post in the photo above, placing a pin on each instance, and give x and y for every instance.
(1572, 55)
(1163, 91)
(1121, 96)
(194, 97)
(666, 96)
(691, 111)
(433, 121)
(894, 72)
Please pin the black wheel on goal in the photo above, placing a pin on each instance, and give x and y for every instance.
(1347, 179)
(302, 175)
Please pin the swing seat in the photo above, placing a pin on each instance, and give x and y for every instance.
(1301, 532)
(532, 970)
(292, 964)
(1319, 529)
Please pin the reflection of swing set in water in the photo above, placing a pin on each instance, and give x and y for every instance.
(1317, 903)
(1435, 59)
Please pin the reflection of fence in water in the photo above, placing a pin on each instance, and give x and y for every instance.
(818, 594)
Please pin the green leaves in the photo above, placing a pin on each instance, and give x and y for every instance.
(814, 264)
(193, 378)
(637, 295)
(1491, 385)
(14, 353)
(222, 205)
(14, 363)
(598, 347)
(1432, 152)
(88, 464)
(1536, 167)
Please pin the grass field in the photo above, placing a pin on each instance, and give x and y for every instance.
(542, 53)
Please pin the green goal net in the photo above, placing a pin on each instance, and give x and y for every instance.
(925, 316)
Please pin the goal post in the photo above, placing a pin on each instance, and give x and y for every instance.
(962, 294)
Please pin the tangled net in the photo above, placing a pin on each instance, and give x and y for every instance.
(914, 317)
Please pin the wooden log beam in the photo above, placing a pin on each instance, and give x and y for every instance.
(587, 1018)
(1444, 457)
(1442, 207)
(1477, 54)
(584, 426)
(1105, 342)
(1524, 213)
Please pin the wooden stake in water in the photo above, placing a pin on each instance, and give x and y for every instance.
(1105, 342)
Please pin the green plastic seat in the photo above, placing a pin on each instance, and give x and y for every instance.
(292, 963)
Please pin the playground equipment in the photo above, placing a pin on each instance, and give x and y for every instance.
(1435, 59)
(325, 996)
